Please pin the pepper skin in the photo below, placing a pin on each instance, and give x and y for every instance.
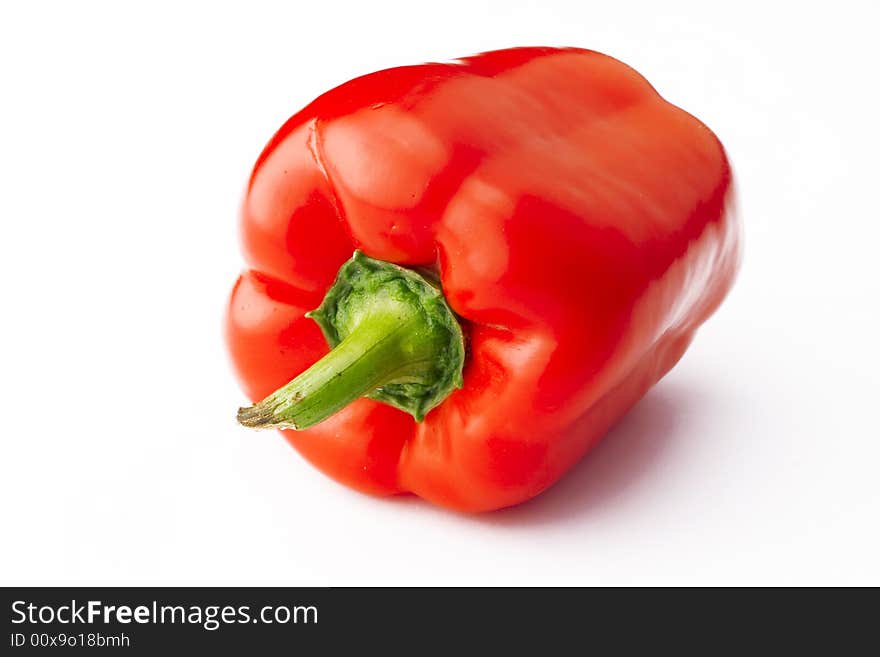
(582, 230)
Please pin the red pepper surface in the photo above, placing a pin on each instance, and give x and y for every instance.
(581, 227)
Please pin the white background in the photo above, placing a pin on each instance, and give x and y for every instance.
(126, 139)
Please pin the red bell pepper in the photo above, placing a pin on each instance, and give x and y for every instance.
(541, 235)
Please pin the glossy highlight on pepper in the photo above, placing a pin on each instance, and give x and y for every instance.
(581, 229)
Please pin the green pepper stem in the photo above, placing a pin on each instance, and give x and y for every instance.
(395, 340)
(368, 358)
